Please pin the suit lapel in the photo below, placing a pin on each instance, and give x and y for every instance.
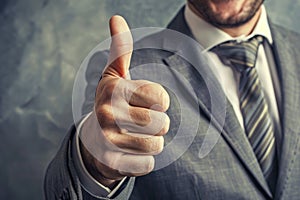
(288, 68)
(211, 98)
(230, 128)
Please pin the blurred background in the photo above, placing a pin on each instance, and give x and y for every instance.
(42, 43)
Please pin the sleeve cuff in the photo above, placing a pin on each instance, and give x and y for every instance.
(88, 182)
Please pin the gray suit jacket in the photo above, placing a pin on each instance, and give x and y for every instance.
(230, 170)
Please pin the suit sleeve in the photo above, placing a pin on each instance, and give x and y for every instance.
(61, 180)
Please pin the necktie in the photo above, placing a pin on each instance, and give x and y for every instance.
(257, 121)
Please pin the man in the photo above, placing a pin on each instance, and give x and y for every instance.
(257, 153)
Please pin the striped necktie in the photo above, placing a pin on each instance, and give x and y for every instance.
(257, 121)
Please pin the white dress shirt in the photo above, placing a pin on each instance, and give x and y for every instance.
(208, 36)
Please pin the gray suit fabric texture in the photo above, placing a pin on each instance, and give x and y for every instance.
(230, 170)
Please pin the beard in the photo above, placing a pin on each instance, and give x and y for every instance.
(222, 17)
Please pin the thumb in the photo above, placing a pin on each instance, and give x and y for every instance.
(120, 49)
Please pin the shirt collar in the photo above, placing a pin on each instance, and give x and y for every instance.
(209, 36)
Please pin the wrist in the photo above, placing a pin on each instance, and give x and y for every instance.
(96, 169)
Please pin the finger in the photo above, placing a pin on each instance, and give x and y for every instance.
(147, 94)
(135, 165)
(115, 165)
(120, 49)
(127, 164)
(144, 121)
(133, 119)
(134, 143)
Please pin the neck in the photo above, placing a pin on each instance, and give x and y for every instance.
(244, 29)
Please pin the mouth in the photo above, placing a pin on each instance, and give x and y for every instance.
(227, 7)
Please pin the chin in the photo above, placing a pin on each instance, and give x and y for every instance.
(226, 13)
(229, 21)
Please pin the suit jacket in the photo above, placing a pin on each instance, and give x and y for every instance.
(230, 170)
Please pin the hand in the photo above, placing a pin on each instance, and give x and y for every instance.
(130, 114)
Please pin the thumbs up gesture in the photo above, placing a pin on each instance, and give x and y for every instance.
(130, 114)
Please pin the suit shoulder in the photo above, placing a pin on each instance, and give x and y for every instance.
(150, 49)
(286, 34)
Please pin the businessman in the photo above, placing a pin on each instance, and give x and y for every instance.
(109, 155)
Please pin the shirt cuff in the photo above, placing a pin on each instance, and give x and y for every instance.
(87, 181)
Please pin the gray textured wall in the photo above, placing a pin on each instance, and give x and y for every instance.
(42, 43)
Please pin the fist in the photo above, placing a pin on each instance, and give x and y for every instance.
(130, 114)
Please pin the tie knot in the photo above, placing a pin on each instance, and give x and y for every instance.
(240, 55)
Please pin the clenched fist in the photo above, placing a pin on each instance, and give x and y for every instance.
(130, 114)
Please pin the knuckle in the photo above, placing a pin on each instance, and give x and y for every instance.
(140, 117)
(160, 145)
(146, 87)
(165, 125)
(108, 88)
(162, 96)
(149, 165)
(103, 110)
(155, 145)
(104, 114)
(121, 47)
(103, 94)
(164, 99)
